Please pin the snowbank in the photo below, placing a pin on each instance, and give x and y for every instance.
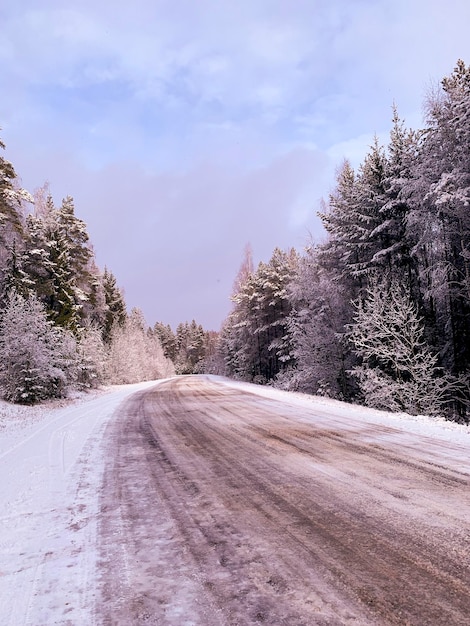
(51, 464)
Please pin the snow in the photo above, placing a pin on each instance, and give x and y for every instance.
(52, 462)
(427, 437)
(51, 465)
(422, 424)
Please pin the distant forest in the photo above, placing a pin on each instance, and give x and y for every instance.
(378, 313)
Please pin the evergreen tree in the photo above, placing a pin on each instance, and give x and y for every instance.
(442, 220)
(47, 261)
(396, 239)
(14, 278)
(255, 336)
(75, 234)
(189, 341)
(60, 264)
(211, 363)
(339, 219)
(353, 217)
(167, 339)
(95, 309)
(320, 311)
(87, 287)
(12, 198)
(115, 314)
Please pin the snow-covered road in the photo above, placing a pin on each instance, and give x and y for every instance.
(51, 467)
(205, 502)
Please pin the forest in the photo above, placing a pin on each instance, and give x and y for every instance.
(378, 313)
(64, 323)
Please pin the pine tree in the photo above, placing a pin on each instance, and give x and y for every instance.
(353, 215)
(211, 363)
(183, 362)
(47, 262)
(167, 339)
(115, 314)
(196, 347)
(442, 219)
(12, 201)
(94, 309)
(12, 198)
(14, 278)
(339, 219)
(74, 232)
(255, 336)
(396, 239)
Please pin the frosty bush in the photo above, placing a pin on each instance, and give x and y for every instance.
(398, 370)
(37, 359)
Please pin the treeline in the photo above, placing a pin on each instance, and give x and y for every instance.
(63, 321)
(379, 312)
(191, 349)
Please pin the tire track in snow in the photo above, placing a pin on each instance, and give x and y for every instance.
(277, 519)
(49, 499)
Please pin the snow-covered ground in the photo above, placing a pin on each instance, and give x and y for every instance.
(421, 424)
(51, 467)
(425, 435)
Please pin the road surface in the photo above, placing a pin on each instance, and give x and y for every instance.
(220, 506)
(51, 471)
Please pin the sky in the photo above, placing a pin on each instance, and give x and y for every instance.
(187, 129)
